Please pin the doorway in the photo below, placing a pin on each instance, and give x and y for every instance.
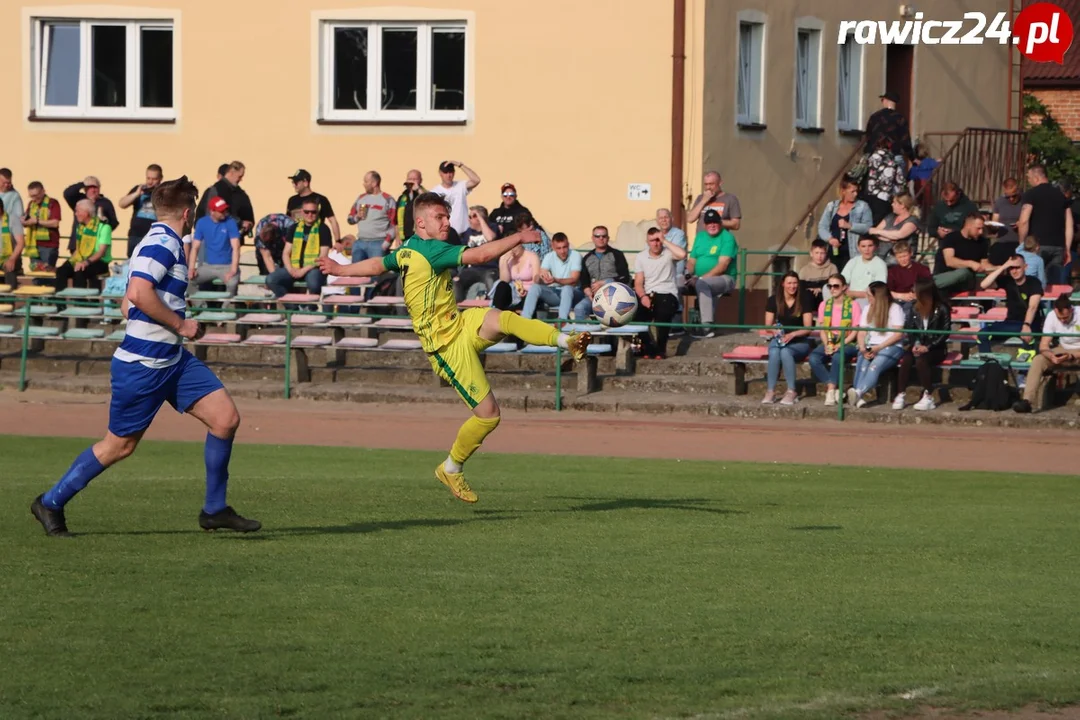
(899, 69)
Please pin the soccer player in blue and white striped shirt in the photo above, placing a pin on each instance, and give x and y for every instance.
(151, 367)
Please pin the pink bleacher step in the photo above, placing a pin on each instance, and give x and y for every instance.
(311, 341)
(969, 294)
(964, 312)
(386, 300)
(349, 321)
(401, 345)
(477, 303)
(748, 352)
(952, 358)
(395, 323)
(265, 340)
(219, 339)
(350, 281)
(343, 300)
(308, 319)
(357, 343)
(1053, 291)
(261, 319)
(298, 298)
(994, 314)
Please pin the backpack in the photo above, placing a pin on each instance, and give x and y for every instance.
(991, 389)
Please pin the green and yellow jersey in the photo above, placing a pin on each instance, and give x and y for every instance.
(425, 267)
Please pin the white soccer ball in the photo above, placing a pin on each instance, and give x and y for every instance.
(614, 304)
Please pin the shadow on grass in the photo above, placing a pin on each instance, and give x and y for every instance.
(358, 528)
(613, 504)
(817, 528)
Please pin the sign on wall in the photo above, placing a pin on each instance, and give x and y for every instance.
(639, 191)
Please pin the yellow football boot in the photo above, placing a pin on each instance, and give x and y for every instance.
(456, 483)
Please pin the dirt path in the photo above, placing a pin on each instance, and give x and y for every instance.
(432, 427)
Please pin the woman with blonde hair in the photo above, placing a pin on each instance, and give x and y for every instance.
(844, 221)
(900, 224)
(880, 349)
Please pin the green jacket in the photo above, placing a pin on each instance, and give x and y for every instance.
(951, 217)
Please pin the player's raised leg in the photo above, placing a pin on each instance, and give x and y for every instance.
(217, 411)
(498, 324)
(48, 507)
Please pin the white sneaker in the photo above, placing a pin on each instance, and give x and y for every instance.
(862, 403)
(769, 399)
(852, 396)
(898, 403)
(790, 398)
(926, 402)
(831, 397)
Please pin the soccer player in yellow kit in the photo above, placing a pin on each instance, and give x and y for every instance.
(453, 340)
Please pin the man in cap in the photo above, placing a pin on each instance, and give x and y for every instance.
(301, 180)
(503, 219)
(890, 123)
(456, 192)
(219, 234)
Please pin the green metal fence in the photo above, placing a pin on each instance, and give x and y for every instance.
(28, 302)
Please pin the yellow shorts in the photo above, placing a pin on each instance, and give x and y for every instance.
(459, 362)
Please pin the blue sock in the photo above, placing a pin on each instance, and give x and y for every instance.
(217, 454)
(85, 468)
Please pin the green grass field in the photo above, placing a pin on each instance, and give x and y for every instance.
(575, 588)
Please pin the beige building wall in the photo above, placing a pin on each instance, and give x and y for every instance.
(777, 171)
(570, 101)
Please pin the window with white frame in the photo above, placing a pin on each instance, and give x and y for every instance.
(393, 71)
(807, 76)
(849, 85)
(103, 69)
(750, 95)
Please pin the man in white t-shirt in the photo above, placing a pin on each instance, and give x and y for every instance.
(865, 269)
(1064, 319)
(657, 289)
(456, 192)
(557, 283)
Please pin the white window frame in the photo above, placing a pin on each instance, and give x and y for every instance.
(816, 30)
(423, 112)
(855, 90)
(133, 75)
(755, 114)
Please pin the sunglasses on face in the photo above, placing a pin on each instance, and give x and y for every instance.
(600, 237)
(835, 287)
(310, 212)
(509, 194)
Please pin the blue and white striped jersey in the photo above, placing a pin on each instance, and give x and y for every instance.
(159, 258)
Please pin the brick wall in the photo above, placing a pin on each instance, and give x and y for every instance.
(1064, 105)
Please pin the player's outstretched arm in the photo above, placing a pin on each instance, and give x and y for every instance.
(497, 248)
(365, 268)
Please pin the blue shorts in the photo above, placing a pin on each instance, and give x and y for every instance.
(138, 392)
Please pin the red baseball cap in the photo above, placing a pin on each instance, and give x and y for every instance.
(509, 186)
(218, 204)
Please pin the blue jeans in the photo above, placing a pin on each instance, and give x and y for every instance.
(867, 372)
(564, 296)
(583, 308)
(1054, 259)
(786, 357)
(825, 367)
(280, 282)
(1002, 331)
(364, 249)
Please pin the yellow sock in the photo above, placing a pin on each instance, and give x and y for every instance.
(533, 332)
(471, 436)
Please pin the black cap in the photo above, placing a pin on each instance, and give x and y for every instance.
(446, 166)
(889, 95)
(300, 175)
(711, 216)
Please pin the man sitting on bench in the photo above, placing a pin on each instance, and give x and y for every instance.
(1064, 319)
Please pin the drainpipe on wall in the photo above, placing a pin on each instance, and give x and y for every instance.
(678, 104)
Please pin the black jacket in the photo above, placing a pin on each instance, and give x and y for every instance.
(622, 270)
(890, 124)
(239, 203)
(73, 194)
(940, 319)
(501, 219)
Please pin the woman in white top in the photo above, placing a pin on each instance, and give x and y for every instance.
(878, 351)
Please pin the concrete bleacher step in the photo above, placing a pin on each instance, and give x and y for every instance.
(682, 366)
(680, 384)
